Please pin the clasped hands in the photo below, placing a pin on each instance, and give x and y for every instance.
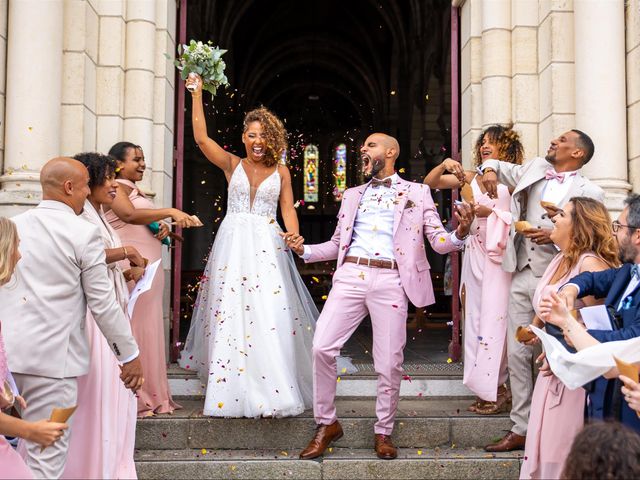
(294, 241)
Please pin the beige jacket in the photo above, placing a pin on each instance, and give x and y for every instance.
(43, 308)
(528, 181)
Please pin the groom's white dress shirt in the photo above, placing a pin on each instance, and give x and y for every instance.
(373, 226)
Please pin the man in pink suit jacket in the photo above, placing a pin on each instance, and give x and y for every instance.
(382, 264)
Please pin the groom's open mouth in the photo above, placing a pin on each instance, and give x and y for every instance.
(366, 162)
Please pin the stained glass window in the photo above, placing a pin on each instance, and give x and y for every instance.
(340, 171)
(311, 182)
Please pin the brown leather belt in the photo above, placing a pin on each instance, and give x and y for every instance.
(372, 262)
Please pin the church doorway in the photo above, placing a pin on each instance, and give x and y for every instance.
(334, 71)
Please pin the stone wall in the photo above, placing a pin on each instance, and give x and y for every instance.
(93, 74)
(81, 75)
(632, 13)
(552, 65)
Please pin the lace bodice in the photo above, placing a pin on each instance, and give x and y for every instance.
(265, 202)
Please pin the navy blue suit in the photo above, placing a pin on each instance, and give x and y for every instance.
(605, 398)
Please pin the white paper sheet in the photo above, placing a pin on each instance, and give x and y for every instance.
(143, 285)
(577, 369)
(596, 317)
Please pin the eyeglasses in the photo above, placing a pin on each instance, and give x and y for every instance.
(615, 226)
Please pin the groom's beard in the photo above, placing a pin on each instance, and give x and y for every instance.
(376, 166)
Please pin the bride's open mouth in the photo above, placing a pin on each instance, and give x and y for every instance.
(258, 151)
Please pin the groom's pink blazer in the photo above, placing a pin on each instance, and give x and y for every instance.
(415, 217)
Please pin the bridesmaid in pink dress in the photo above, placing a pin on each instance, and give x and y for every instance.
(484, 286)
(129, 215)
(104, 430)
(42, 432)
(582, 232)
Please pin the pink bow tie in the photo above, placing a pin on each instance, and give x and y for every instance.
(551, 174)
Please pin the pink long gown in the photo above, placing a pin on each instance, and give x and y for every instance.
(11, 464)
(104, 427)
(557, 413)
(486, 296)
(147, 322)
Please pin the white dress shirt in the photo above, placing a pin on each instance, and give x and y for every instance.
(554, 191)
(373, 226)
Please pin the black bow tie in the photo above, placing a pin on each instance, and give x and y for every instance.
(375, 183)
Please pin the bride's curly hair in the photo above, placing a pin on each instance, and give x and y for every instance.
(506, 139)
(274, 131)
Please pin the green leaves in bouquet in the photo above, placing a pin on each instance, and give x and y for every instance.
(205, 60)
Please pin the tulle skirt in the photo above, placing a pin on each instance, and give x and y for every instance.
(252, 328)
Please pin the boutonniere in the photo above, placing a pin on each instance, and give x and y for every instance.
(409, 204)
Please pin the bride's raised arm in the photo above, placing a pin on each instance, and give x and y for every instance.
(214, 152)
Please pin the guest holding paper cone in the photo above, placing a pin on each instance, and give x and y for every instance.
(61, 273)
(105, 421)
(555, 179)
(582, 231)
(43, 432)
(620, 289)
(129, 216)
(484, 283)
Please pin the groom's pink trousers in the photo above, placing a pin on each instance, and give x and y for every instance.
(358, 290)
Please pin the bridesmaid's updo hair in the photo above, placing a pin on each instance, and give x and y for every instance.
(8, 246)
(100, 166)
(120, 149)
(274, 131)
(506, 139)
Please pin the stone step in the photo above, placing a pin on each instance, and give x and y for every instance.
(339, 463)
(420, 423)
(431, 380)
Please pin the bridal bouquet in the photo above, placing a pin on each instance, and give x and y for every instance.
(205, 60)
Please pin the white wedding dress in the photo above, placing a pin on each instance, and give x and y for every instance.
(252, 328)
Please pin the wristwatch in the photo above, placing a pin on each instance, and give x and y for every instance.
(488, 169)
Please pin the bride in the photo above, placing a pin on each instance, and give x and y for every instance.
(252, 328)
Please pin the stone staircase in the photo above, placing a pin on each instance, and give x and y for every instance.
(437, 437)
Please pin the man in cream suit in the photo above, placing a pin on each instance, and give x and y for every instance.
(379, 243)
(555, 179)
(43, 312)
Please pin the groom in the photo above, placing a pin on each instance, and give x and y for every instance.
(382, 264)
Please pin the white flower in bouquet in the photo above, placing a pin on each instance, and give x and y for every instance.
(205, 60)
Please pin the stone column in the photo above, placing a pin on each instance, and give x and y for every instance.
(524, 68)
(496, 62)
(34, 99)
(470, 76)
(633, 91)
(4, 11)
(140, 51)
(601, 93)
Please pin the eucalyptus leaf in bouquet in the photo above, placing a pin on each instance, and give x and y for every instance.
(205, 60)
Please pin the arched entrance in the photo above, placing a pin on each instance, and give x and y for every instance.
(334, 71)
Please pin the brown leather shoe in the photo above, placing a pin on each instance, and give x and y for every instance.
(325, 434)
(384, 447)
(511, 441)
